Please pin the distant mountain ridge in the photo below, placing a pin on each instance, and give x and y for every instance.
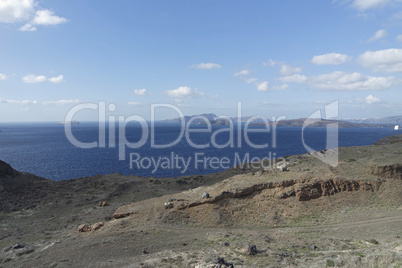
(392, 120)
(213, 119)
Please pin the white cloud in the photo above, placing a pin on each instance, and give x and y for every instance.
(61, 102)
(250, 80)
(3, 77)
(47, 17)
(206, 66)
(23, 102)
(281, 87)
(57, 79)
(388, 60)
(27, 28)
(184, 92)
(330, 59)
(342, 81)
(31, 78)
(134, 103)
(34, 79)
(262, 86)
(378, 35)
(12, 11)
(140, 92)
(396, 16)
(289, 70)
(399, 38)
(296, 78)
(15, 11)
(270, 62)
(43, 17)
(368, 4)
(286, 69)
(371, 99)
(349, 81)
(242, 72)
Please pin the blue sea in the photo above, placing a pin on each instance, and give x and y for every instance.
(44, 150)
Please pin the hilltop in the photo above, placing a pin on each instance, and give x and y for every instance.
(300, 212)
(392, 120)
(203, 119)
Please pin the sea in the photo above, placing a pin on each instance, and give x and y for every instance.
(160, 149)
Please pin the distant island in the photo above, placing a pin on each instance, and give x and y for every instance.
(392, 120)
(213, 119)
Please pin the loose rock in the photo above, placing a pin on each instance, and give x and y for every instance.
(122, 215)
(84, 228)
(205, 195)
(252, 250)
(17, 246)
(221, 261)
(169, 205)
(97, 226)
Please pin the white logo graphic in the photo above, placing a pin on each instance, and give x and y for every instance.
(330, 155)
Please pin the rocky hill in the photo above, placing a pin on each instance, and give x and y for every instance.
(324, 123)
(392, 120)
(318, 122)
(299, 212)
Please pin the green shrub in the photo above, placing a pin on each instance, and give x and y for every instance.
(330, 263)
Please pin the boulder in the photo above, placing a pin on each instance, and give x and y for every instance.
(103, 203)
(282, 167)
(251, 250)
(222, 263)
(84, 228)
(168, 205)
(122, 215)
(17, 246)
(97, 226)
(205, 195)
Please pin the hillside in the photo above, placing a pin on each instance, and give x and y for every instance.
(214, 120)
(323, 123)
(308, 214)
(392, 120)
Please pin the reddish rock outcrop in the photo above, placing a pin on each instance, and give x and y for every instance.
(87, 228)
(122, 215)
(388, 171)
(334, 186)
(84, 228)
(303, 189)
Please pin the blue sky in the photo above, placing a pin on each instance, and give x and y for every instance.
(279, 58)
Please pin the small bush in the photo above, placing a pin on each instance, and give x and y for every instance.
(361, 254)
(330, 263)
